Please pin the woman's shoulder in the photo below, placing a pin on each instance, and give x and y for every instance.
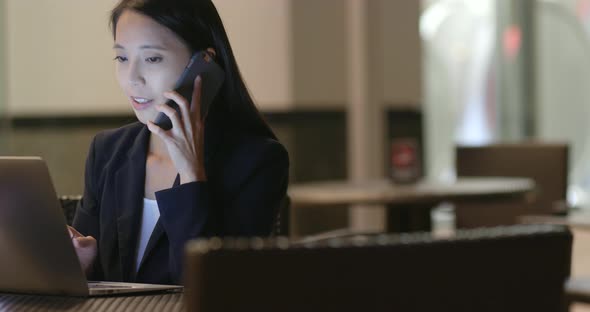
(122, 136)
(245, 156)
(257, 147)
(247, 152)
(112, 145)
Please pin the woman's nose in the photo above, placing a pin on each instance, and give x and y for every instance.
(136, 81)
(135, 76)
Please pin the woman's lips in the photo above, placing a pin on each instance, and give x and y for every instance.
(140, 103)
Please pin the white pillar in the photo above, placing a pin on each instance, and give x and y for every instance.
(3, 88)
(4, 122)
(5, 129)
(365, 106)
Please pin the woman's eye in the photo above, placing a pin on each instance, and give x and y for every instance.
(120, 59)
(155, 59)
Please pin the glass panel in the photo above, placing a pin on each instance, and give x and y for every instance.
(563, 85)
(486, 80)
(460, 105)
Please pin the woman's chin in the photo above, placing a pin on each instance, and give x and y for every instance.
(144, 116)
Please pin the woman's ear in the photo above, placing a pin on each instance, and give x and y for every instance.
(212, 52)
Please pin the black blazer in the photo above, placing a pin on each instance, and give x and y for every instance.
(247, 178)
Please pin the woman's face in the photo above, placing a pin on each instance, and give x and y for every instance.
(150, 58)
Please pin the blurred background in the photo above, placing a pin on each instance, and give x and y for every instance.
(338, 81)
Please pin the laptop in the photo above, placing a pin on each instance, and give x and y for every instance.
(36, 252)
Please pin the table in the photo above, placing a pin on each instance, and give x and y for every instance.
(157, 302)
(408, 206)
(577, 289)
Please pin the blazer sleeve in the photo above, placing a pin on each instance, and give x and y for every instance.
(86, 220)
(249, 210)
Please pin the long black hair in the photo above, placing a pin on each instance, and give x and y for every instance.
(198, 23)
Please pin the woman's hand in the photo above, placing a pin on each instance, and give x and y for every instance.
(185, 140)
(85, 249)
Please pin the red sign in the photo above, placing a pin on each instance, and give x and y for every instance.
(405, 160)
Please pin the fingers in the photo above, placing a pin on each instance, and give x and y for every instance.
(84, 242)
(196, 99)
(79, 240)
(155, 129)
(73, 232)
(182, 104)
(172, 114)
(77, 236)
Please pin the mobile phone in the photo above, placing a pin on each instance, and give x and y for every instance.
(212, 77)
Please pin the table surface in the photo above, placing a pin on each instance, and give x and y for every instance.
(158, 302)
(578, 289)
(386, 192)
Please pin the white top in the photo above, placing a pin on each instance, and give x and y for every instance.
(149, 217)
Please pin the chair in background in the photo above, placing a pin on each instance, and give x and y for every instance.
(492, 269)
(545, 163)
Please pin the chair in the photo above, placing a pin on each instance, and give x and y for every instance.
(577, 288)
(281, 226)
(69, 205)
(545, 163)
(492, 269)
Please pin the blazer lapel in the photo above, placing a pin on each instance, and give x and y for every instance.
(130, 189)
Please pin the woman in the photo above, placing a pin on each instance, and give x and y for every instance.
(148, 191)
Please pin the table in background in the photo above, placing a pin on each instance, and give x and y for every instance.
(140, 303)
(408, 206)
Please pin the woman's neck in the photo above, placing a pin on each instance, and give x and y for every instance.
(158, 148)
